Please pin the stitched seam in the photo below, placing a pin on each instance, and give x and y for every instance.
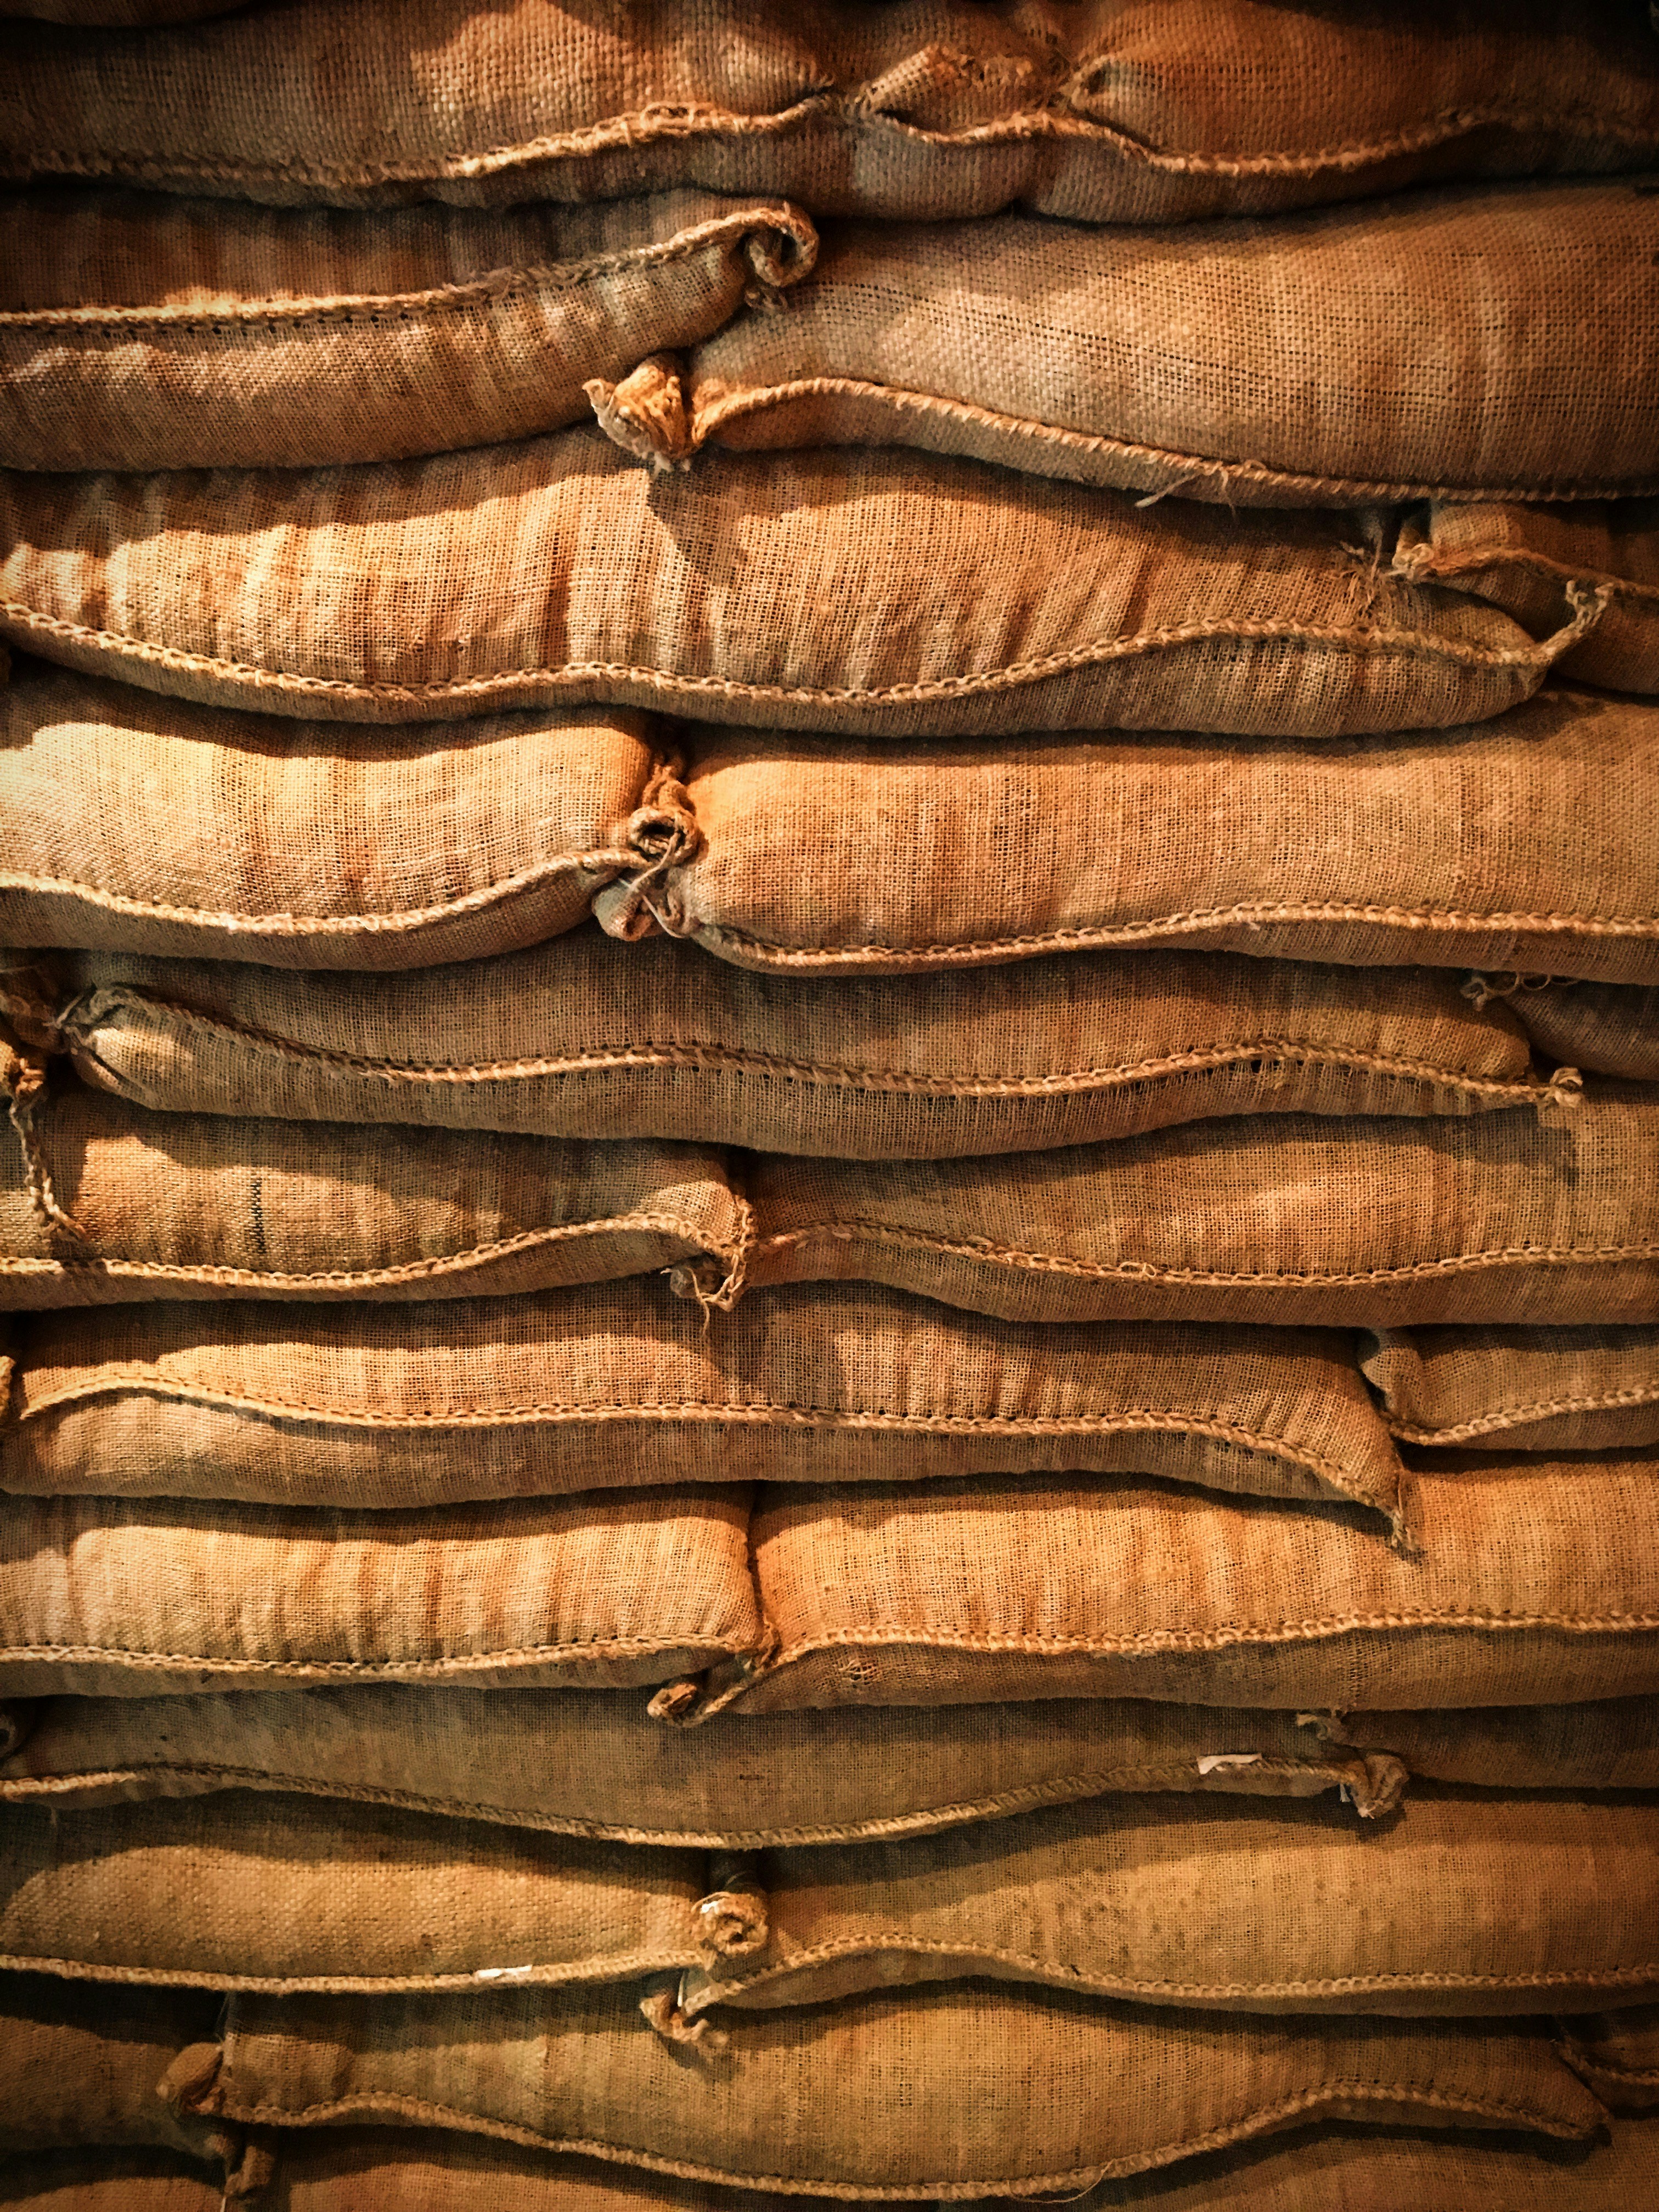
(1512, 1416)
(451, 1662)
(886, 1634)
(1415, 645)
(490, 287)
(1428, 560)
(904, 399)
(596, 1972)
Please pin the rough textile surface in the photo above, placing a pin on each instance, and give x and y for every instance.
(1530, 1581)
(138, 332)
(590, 1036)
(621, 1385)
(1264, 364)
(1326, 2166)
(130, 1599)
(948, 598)
(948, 2093)
(1595, 1025)
(1519, 1389)
(1526, 843)
(146, 823)
(1618, 2056)
(1109, 111)
(100, 1201)
(81, 2066)
(135, 14)
(1287, 1218)
(589, 1763)
(1612, 1743)
(1460, 1905)
(1536, 563)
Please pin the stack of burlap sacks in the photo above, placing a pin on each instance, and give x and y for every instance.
(829, 844)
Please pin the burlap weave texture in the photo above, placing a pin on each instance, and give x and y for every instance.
(1518, 1389)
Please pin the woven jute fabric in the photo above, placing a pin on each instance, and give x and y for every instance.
(621, 1385)
(140, 331)
(144, 823)
(1531, 1581)
(949, 2092)
(133, 1599)
(100, 1201)
(1326, 2166)
(118, 15)
(948, 596)
(1518, 1389)
(81, 2065)
(574, 1762)
(1106, 112)
(1266, 364)
(1618, 2056)
(591, 1037)
(1460, 1905)
(1535, 562)
(1266, 1217)
(1526, 843)
(1288, 1219)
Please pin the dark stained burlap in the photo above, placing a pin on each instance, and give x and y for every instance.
(1596, 1026)
(1101, 111)
(139, 331)
(947, 597)
(1609, 1744)
(1266, 364)
(81, 2066)
(1519, 1389)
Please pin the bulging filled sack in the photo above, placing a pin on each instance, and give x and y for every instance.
(590, 1036)
(80, 2067)
(589, 1763)
(1109, 112)
(1510, 1389)
(1537, 563)
(141, 332)
(1609, 1026)
(1260, 364)
(102, 1202)
(953, 2092)
(1608, 1743)
(1283, 1219)
(621, 1385)
(144, 823)
(1529, 1581)
(1459, 1904)
(1527, 843)
(947, 598)
(133, 1599)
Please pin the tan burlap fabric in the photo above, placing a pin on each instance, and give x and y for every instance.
(1460, 1904)
(582, 1763)
(1524, 845)
(1104, 110)
(592, 1038)
(81, 2066)
(1519, 1389)
(1267, 364)
(139, 331)
(135, 1598)
(1618, 2056)
(1531, 1581)
(947, 596)
(1532, 561)
(621, 1385)
(1530, 842)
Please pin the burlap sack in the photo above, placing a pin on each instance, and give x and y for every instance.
(620, 1384)
(1531, 842)
(1611, 1027)
(138, 1600)
(1284, 1219)
(103, 1202)
(1519, 1389)
(138, 332)
(1532, 1582)
(1109, 112)
(1259, 365)
(135, 14)
(1460, 1904)
(141, 822)
(952, 2092)
(580, 1763)
(1531, 562)
(1618, 2056)
(1329, 2167)
(592, 1037)
(947, 598)
(1610, 1744)
(80, 2066)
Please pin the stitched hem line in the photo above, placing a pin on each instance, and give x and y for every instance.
(621, 1647)
(1518, 1416)
(176, 1978)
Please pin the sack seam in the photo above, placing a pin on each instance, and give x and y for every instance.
(1518, 1415)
